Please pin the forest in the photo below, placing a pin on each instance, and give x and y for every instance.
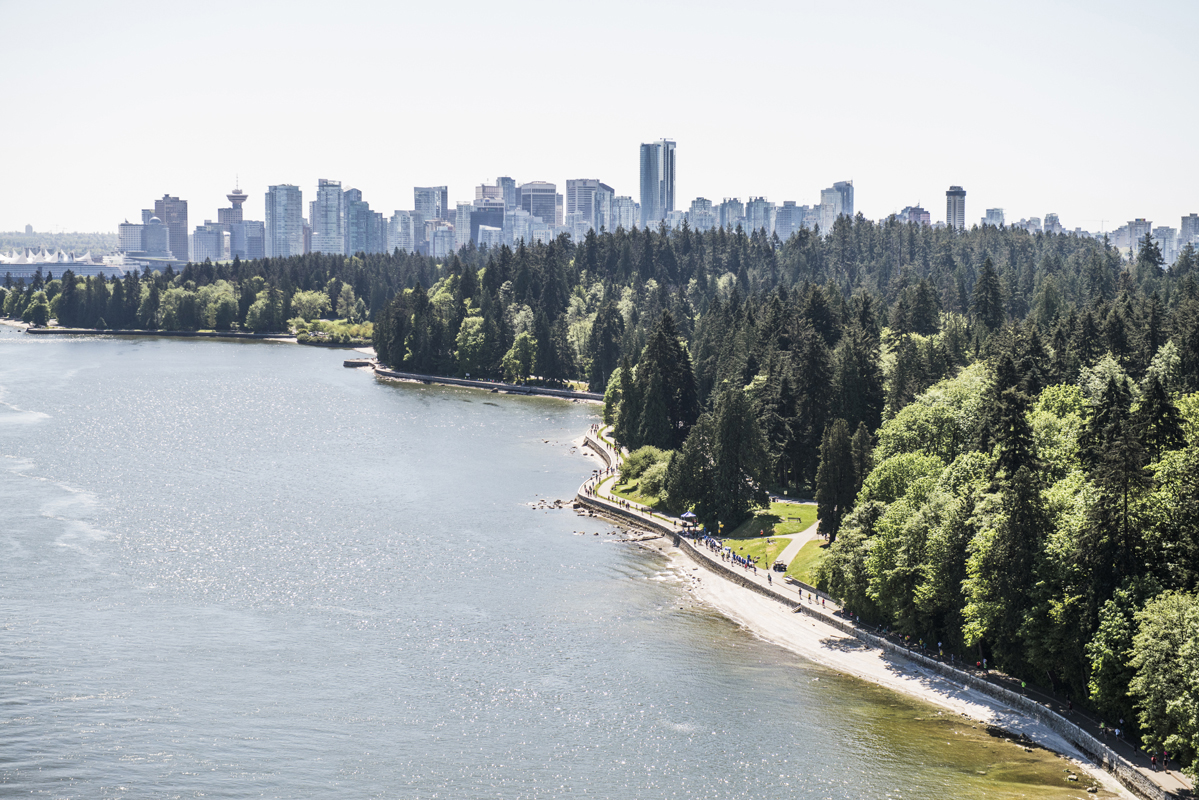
(1001, 429)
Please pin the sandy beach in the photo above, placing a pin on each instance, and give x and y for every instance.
(812, 639)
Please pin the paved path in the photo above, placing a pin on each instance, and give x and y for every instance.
(1172, 781)
(798, 540)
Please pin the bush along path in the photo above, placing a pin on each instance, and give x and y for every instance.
(1093, 737)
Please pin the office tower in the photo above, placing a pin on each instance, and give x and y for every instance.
(485, 213)
(327, 218)
(1052, 223)
(485, 192)
(28, 230)
(580, 199)
(1188, 231)
(1138, 229)
(173, 213)
(366, 230)
(759, 215)
(462, 229)
(540, 199)
(624, 213)
(702, 214)
(156, 239)
(510, 193)
(284, 221)
(208, 242)
(845, 190)
(604, 196)
(786, 219)
(400, 233)
(994, 217)
(915, 214)
(1167, 241)
(441, 242)
(518, 227)
(431, 202)
(247, 239)
(490, 236)
(657, 181)
(732, 213)
(955, 207)
(129, 236)
(233, 214)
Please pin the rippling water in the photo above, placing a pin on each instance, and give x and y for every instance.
(239, 569)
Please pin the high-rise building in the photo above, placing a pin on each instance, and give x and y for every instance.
(400, 234)
(208, 242)
(284, 221)
(462, 225)
(173, 213)
(485, 192)
(759, 215)
(432, 202)
(1052, 223)
(365, 231)
(1138, 229)
(233, 214)
(247, 239)
(702, 214)
(994, 217)
(511, 195)
(156, 240)
(487, 213)
(845, 189)
(732, 213)
(540, 199)
(490, 236)
(580, 198)
(657, 181)
(1188, 231)
(327, 216)
(915, 214)
(1167, 241)
(624, 213)
(28, 230)
(835, 201)
(441, 242)
(955, 207)
(129, 237)
(604, 196)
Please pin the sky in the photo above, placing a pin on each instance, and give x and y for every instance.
(1085, 109)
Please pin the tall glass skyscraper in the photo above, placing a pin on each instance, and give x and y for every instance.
(328, 218)
(955, 207)
(657, 181)
(284, 221)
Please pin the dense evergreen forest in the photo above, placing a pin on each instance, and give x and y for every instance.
(1001, 429)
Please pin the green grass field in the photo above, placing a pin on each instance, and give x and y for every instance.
(781, 518)
(803, 567)
(630, 491)
(762, 551)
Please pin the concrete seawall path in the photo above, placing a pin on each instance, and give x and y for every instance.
(807, 622)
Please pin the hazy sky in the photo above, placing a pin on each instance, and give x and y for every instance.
(1087, 109)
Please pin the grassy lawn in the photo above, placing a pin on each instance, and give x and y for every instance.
(803, 566)
(762, 551)
(629, 491)
(784, 518)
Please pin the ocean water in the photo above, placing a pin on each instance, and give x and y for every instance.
(241, 570)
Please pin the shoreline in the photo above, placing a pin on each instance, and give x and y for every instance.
(799, 627)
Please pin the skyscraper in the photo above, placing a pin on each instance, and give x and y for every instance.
(431, 202)
(955, 207)
(624, 213)
(232, 215)
(508, 188)
(540, 199)
(835, 201)
(328, 217)
(1188, 231)
(173, 213)
(400, 233)
(759, 215)
(701, 216)
(591, 200)
(994, 217)
(657, 181)
(462, 235)
(284, 221)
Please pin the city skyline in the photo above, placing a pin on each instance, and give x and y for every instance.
(1038, 97)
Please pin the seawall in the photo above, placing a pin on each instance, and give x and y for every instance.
(1098, 752)
(510, 388)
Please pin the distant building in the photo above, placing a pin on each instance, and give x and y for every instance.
(702, 214)
(490, 236)
(156, 240)
(431, 202)
(518, 227)
(580, 199)
(208, 242)
(173, 213)
(835, 201)
(1053, 224)
(233, 214)
(915, 214)
(732, 212)
(1188, 231)
(487, 213)
(994, 217)
(485, 192)
(510, 194)
(657, 180)
(1138, 229)
(540, 199)
(1167, 241)
(365, 230)
(129, 237)
(284, 221)
(327, 216)
(462, 225)
(759, 215)
(625, 213)
(400, 233)
(441, 243)
(955, 208)
(247, 239)
(28, 230)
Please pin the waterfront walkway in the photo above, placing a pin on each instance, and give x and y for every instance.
(816, 603)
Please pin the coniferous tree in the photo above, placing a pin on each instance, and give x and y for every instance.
(835, 479)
